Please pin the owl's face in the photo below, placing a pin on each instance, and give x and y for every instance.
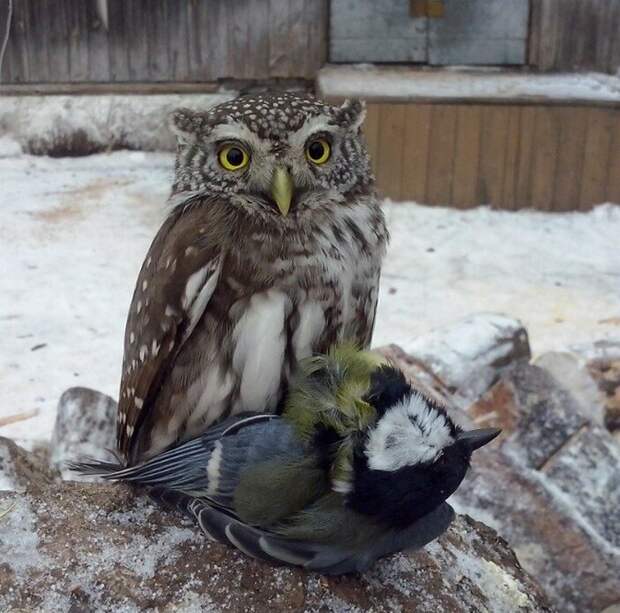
(278, 153)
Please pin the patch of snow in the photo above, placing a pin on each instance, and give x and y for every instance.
(404, 83)
(74, 232)
(129, 121)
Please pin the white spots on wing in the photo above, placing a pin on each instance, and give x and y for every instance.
(309, 329)
(145, 284)
(154, 348)
(259, 352)
(129, 431)
(213, 469)
(198, 291)
(410, 432)
(132, 338)
(148, 261)
(143, 352)
(139, 402)
(190, 251)
(171, 345)
(122, 417)
(209, 395)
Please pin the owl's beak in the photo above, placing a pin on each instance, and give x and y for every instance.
(282, 189)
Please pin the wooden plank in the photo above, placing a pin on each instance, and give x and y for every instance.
(479, 32)
(573, 123)
(440, 170)
(178, 47)
(391, 143)
(376, 31)
(317, 15)
(97, 43)
(85, 89)
(493, 154)
(258, 39)
(279, 51)
(77, 39)
(216, 43)
(117, 37)
(371, 133)
(575, 35)
(525, 154)
(465, 186)
(613, 186)
(415, 152)
(57, 27)
(137, 40)
(597, 156)
(545, 148)
(513, 137)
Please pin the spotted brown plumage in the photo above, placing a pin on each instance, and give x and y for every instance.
(237, 287)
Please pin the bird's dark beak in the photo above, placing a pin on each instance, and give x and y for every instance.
(474, 439)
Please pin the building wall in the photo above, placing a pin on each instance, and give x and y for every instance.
(77, 41)
(547, 157)
(575, 35)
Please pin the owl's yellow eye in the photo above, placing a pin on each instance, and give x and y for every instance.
(318, 151)
(233, 157)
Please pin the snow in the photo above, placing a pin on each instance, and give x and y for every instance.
(73, 233)
(406, 83)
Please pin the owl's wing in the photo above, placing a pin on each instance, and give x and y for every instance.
(177, 279)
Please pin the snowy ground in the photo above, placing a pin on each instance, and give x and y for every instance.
(73, 233)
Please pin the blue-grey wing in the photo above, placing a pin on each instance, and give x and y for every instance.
(326, 558)
(209, 466)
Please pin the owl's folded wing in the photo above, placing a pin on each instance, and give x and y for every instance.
(176, 282)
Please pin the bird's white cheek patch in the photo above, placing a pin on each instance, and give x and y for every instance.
(260, 341)
(311, 324)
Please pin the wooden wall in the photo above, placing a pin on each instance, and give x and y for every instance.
(558, 158)
(574, 35)
(54, 41)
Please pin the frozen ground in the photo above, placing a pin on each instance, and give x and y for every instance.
(73, 233)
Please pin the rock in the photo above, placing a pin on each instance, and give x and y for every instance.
(84, 547)
(467, 356)
(85, 428)
(606, 372)
(19, 468)
(536, 414)
(571, 372)
(550, 485)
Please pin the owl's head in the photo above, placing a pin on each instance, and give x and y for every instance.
(272, 152)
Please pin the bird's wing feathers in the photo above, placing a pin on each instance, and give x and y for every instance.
(208, 466)
(331, 559)
(175, 284)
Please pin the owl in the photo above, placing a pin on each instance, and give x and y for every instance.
(271, 251)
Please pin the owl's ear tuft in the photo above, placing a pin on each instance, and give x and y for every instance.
(182, 122)
(352, 114)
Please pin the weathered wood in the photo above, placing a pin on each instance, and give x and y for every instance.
(575, 35)
(573, 124)
(376, 31)
(596, 168)
(555, 158)
(479, 32)
(467, 156)
(81, 89)
(493, 153)
(391, 142)
(415, 154)
(166, 40)
(440, 172)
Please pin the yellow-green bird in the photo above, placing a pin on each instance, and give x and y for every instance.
(358, 466)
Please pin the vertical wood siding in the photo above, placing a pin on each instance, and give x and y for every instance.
(559, 158)
(573, 35)
(56, 41)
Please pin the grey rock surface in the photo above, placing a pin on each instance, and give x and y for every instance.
(85, 428)
(85, 547)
